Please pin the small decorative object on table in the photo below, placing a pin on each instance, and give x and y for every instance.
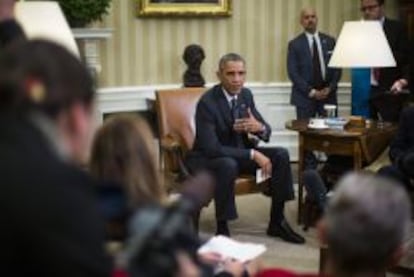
(336, 122)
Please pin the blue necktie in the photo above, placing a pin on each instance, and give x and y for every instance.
(234, 109)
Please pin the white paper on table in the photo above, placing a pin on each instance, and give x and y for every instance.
(259, 176)
(229, 248)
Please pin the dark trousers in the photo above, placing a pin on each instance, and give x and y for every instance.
(394, 173)
(307, 112)
(226, 169)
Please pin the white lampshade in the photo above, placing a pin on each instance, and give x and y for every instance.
(45, 19)
(362, 44)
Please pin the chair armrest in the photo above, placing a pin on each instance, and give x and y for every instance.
(171, 143)
(175, 151)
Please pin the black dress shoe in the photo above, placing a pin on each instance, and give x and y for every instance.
(285, 232)
(222, 229)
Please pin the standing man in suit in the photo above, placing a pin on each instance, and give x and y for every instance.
(393, 79)
(50, 222)
(313, 83)
(226, 117)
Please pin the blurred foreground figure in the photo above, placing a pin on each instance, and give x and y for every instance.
(50, 223)
(10, 30)
(364, 227)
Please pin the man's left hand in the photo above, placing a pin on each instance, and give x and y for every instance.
(398, 86)
(251, 124)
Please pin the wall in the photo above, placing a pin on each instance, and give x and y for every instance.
(145, 51)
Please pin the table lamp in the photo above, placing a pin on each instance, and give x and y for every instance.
(45, 20)
(361, 45)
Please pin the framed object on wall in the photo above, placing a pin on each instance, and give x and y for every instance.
(148, 8)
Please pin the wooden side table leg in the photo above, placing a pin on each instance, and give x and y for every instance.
(357, 156)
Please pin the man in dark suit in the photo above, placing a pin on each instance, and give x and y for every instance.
(402, 151)
(50, 222)
(393, 79)
(10, 30)
(313, 83)
(226, 117)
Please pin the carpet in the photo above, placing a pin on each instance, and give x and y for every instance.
(251, 227)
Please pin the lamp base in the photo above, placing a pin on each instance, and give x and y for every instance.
(361, 91)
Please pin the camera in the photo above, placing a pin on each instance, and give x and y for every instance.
(156, 235)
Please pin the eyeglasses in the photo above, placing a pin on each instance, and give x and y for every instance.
(369, 8)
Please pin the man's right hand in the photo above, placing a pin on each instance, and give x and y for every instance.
(264, 163)
(322, 94)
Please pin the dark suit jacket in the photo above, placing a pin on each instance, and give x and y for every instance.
(10, 30)
(49, 220)
(214, 127)
(403, 142)
(299, 65)
(397, 38)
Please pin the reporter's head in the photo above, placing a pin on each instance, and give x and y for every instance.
(365, 224)
(42, 78)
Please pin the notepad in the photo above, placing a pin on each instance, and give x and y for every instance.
(229, 248)
(260, 177)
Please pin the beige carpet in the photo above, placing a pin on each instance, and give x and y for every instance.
(251, 227)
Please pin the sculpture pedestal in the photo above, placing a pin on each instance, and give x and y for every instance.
(88, 40)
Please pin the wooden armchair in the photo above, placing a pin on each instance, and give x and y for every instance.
(176, 110)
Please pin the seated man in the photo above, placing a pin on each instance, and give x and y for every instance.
(402, 151)
(364, 225)
(222, 146)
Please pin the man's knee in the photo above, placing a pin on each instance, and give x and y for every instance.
(225, 167)
(281, 155)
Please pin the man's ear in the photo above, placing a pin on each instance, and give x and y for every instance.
(78, 130)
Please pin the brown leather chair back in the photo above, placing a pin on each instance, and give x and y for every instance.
(175, 111)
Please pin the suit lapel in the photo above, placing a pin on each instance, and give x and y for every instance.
(308, 55)
(324, 45)
(223, 106)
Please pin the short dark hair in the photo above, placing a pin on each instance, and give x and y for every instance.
(61, 77)
(233, 57)
(380, 2)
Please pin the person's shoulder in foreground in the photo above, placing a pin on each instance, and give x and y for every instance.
(53, 227)
(284, 273)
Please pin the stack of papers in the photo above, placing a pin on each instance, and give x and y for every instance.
(260, 177)
(229, 248)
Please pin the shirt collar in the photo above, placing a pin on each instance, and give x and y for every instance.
(228, 96)
(310, 36)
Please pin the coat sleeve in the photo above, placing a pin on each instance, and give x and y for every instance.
(335, 73)
(264, 135)
(293, 68)
(401, 143)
